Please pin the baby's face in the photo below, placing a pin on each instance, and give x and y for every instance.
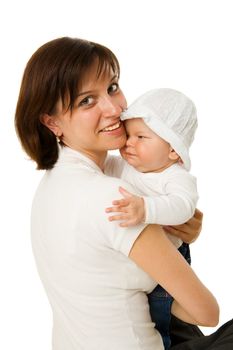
(144, 150)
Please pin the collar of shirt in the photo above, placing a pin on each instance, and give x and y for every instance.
(70, 156)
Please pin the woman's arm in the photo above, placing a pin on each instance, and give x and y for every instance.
(156, 255)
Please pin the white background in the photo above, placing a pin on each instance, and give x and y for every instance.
(182, 44)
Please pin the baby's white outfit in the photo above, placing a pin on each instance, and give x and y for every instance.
(170, 196)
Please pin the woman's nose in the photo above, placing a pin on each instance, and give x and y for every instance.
(110, 108)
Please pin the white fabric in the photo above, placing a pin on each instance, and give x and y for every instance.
(170, 196)
(171, 115)
(96, 292)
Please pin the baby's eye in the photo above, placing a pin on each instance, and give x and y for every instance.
(141, 137)
(114, 87)
(87, 101)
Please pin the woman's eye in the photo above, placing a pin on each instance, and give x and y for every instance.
(87, 101)
(113, 88)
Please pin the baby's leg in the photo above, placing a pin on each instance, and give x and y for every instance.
(160, 309)
(185, 251)
(181, 331)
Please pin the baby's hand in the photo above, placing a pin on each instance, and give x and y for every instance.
(131, 209)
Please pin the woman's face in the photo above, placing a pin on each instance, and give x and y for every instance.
(94, 127)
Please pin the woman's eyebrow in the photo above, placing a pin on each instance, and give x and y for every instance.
(84, 93)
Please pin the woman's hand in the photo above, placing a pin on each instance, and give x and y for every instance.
(189, 231)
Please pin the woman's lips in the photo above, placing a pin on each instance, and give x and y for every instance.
(112, 127)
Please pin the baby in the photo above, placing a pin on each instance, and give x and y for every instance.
(160, 127)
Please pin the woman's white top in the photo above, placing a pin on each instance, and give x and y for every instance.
(97, 294)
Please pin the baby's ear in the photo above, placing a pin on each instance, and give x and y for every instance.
(173, 155)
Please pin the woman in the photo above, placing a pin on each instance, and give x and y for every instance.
(95, 273)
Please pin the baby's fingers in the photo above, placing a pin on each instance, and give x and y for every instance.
(117, 217)
(115, 209)
(128, 222)
(121, 202)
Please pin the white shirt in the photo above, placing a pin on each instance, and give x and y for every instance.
(97, 294)
(170, 196)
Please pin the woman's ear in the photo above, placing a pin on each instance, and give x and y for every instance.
(50, 122)
(173, 155)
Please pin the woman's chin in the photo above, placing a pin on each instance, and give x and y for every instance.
(119, 142)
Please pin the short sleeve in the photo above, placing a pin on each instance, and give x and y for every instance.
(114, 237)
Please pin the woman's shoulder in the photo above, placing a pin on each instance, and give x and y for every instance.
(114, 165)
(112, 184)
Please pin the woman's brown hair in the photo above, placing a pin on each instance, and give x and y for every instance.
(54, 72)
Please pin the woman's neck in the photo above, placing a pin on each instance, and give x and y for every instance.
(97, 157)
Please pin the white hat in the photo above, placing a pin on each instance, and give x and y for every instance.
(171, 115)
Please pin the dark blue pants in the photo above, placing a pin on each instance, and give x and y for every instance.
(160, 304)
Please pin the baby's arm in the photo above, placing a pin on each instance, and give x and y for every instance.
(173, 208)
(190, 230)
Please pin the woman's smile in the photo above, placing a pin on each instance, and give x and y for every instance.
(113, 127)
